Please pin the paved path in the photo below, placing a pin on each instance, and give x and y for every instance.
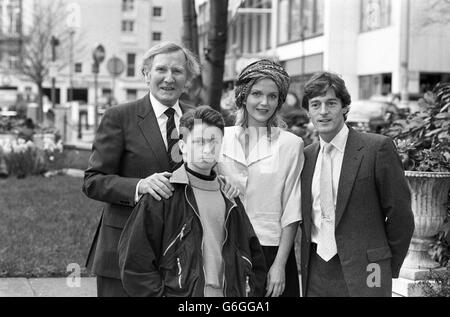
(47, 287)
(53, 287)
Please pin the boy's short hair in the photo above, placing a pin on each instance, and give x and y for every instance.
(204, 113)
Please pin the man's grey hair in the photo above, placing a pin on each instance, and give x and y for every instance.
(192, 64)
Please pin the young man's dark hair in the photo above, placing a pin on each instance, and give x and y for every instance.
(198, 242)
(204, 113)
(318, 85)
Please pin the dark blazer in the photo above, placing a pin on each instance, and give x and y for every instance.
(128, 146)
(374, 221)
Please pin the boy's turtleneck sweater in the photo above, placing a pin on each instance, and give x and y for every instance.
(211, 207)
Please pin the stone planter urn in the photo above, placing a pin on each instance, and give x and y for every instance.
(429, 195)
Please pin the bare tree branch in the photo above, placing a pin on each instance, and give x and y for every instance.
(47, 20)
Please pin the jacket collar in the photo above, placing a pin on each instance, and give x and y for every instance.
(150, 130)
(179, 176)
(145, 107)
(149, 127)
(159, 108)
(350, 167)
(232, 146)
(339, 141)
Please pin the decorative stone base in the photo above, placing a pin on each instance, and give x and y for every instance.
(407, 284)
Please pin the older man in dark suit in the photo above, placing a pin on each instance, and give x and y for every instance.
(356, 205)
(134, 152)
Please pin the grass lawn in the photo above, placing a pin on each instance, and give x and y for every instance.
(45, 224)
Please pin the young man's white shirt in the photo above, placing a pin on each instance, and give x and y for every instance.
(337, 156)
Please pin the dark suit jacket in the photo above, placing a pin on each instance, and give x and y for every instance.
(128, 147)
(374, 221)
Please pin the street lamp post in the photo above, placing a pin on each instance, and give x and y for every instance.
(404, 95)
(98, 56)
(72, 33)
(54, 42)
(73, 22)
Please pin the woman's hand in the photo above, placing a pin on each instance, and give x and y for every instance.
(228, 188)
(276, 280)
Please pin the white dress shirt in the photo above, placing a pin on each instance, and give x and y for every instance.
(337, 156)
(159, 109)
(269, 180)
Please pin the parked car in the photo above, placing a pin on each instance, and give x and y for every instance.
(413, 102)
(404, 109)
(371, 115)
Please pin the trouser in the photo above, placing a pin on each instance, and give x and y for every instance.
(110, 287)
(292, 288)
(325, 279)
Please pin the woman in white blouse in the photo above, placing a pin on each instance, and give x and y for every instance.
(264, 162)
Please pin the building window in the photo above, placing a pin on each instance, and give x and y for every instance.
(376, 84)
(131, 65)
(78, 67)
(13, 62)
(157, 11)
(106, 92)
(250, 35)
(283, 35)
(127, 26)
(242, 33)
(300, 19)
(10, 17)
(131, 94)
(319, 9)
(127, 5)
(235, 34)
(156, 36)
(375, 14)
(307, 13)
(258, 33)
(269, 28)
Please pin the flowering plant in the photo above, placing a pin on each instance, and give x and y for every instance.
(24, 158)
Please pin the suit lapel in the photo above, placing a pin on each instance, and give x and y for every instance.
(149, 127)
(307, 176)
(350, 165)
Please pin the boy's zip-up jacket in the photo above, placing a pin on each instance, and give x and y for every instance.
(160, 249)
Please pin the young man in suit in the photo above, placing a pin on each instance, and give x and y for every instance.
(134, 152)
(356, 204)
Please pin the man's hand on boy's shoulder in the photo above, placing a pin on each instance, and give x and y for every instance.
(157, 185)
(228, 187)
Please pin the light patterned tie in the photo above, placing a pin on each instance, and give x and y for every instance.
(326, 246)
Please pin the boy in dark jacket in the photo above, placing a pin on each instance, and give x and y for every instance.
(198, 242)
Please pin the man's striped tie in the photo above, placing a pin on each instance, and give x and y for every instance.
(173, 150)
